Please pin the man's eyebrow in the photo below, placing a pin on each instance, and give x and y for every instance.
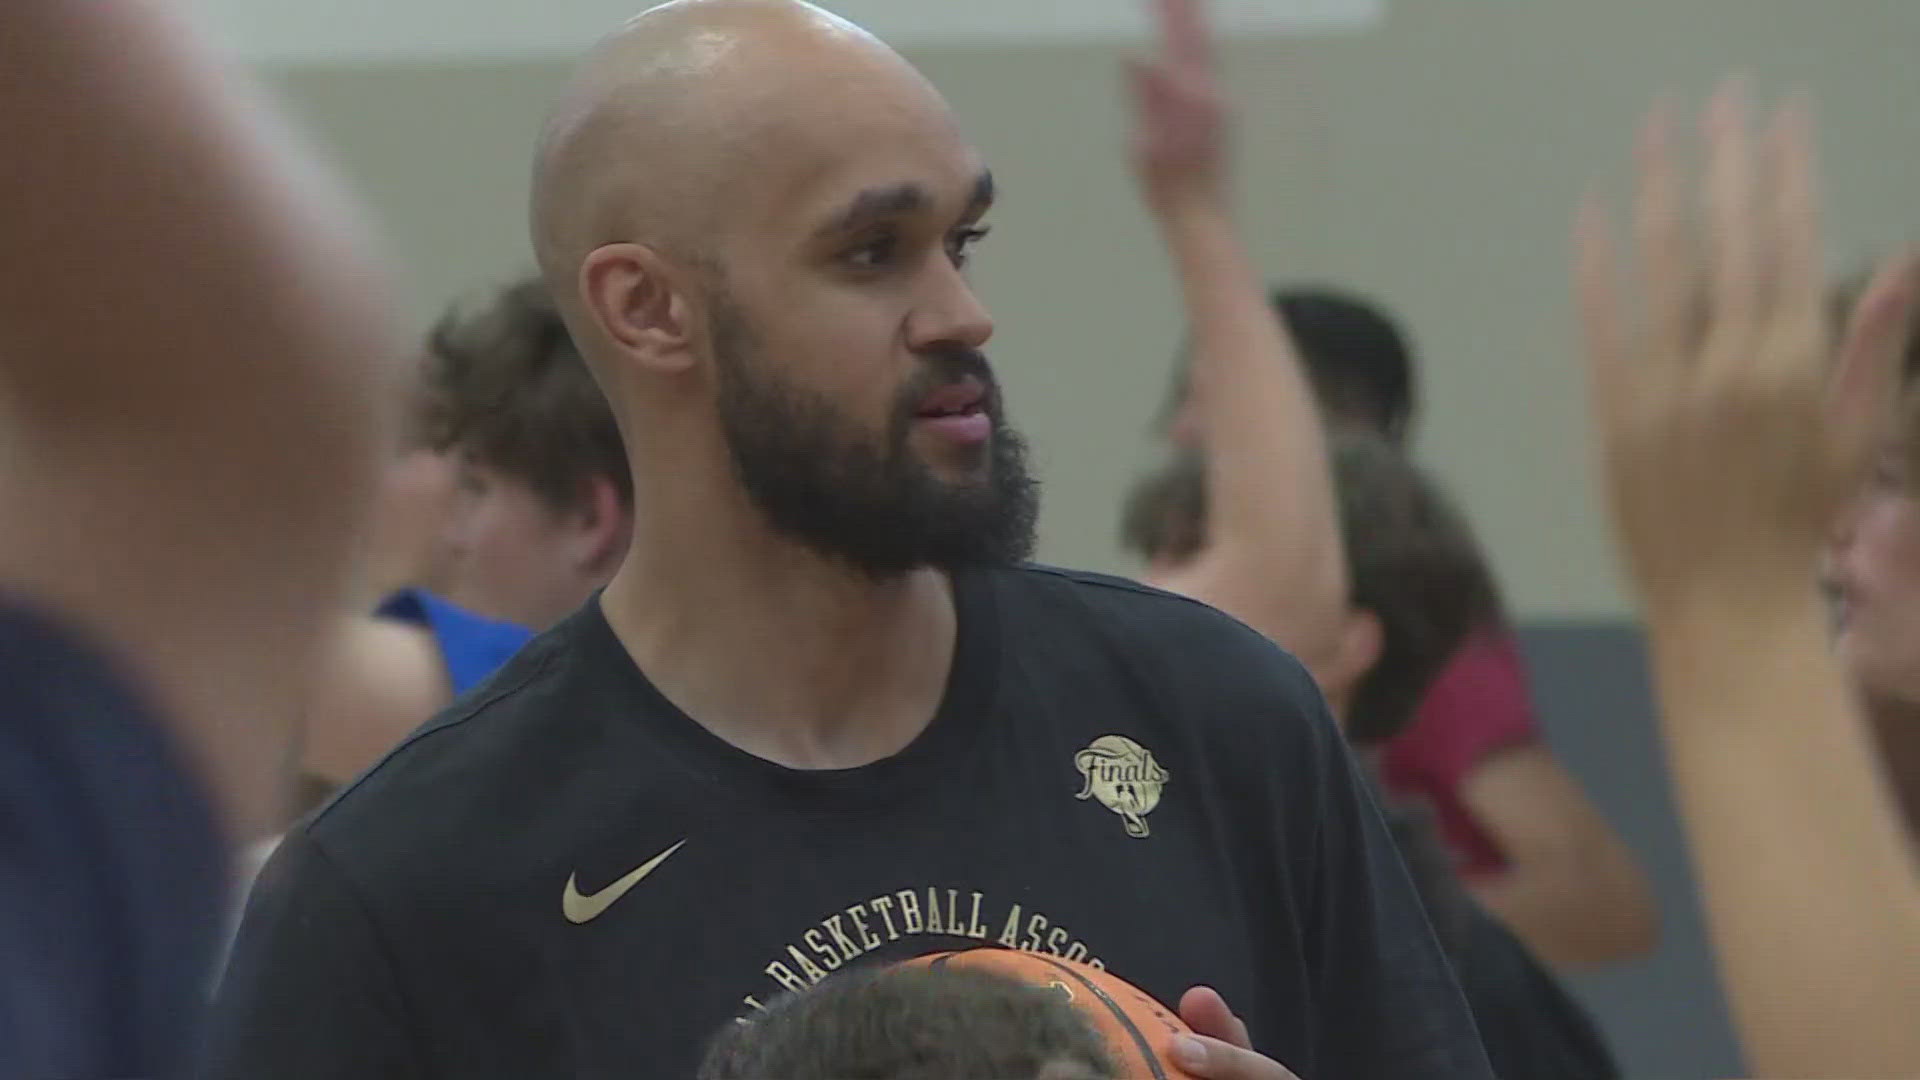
(982, 192)
(875, 204)
(892, 200)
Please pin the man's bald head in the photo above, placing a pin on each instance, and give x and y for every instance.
(670, 118)
(756, 220)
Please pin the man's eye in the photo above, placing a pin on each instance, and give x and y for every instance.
(960, 248)
(873, 253)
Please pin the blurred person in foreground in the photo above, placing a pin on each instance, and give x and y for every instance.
(194, 378)
(1735, 429)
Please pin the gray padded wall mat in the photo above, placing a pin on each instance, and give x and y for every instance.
(1664, 1014)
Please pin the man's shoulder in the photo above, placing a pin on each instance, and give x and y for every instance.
(1210, 675)
(504, 736)
(1135, 617)
(1110, 596)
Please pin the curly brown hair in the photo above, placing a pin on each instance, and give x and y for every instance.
(1412, 561)
(913, 1023)
(506, 385)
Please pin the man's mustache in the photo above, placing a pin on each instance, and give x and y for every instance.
(944, 367)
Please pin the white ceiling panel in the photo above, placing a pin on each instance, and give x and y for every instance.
(295, 31)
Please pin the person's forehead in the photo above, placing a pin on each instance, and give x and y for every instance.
(876, 183)
(814, 172)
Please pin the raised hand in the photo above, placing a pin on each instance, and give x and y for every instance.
(1274, 557)
(1729, 428)
(1180, 116)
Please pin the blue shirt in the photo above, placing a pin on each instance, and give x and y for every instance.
(112, 867)
(473, 646)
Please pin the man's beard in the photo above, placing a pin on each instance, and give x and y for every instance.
(870, 503)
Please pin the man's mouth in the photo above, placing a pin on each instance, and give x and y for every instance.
(963, 398)
(957, 412)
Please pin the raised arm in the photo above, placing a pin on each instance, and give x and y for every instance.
(1728, 449)
(1571, 888)
(1274, 557)
(193, 357)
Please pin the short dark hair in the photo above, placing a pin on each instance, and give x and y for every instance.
(1165, 516)
(1411, 561)
(1357, 359)
(910, 1023)
(507, 385)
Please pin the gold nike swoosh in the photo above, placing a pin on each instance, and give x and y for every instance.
(584, 909)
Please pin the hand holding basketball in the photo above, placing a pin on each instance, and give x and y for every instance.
(1180, 116)
(1729, 428)
(1219, 1048)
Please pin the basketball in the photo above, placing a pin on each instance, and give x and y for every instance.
(1136, 1028)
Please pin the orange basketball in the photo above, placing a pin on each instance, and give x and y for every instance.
(1136, 1027)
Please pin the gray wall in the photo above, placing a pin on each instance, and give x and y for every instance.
(1664, 1013)
(1435, 160)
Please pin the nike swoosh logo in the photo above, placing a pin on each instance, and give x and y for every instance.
(584, 909)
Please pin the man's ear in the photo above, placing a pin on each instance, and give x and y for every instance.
(1360, 644)
(603, 528)
(638, 299)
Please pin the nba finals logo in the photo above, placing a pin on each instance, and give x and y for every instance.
(1124, 777)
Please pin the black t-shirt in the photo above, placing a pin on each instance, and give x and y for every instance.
(112, 868)
(1531, 1027)
(566, 876)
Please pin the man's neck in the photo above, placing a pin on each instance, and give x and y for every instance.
(786, 654)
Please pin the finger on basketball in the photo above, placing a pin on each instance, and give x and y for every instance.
(1216, 1059)
(1206, 1012)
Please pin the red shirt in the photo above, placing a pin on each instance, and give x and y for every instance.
(1477, 707)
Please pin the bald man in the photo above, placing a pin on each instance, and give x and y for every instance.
(825, 716)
